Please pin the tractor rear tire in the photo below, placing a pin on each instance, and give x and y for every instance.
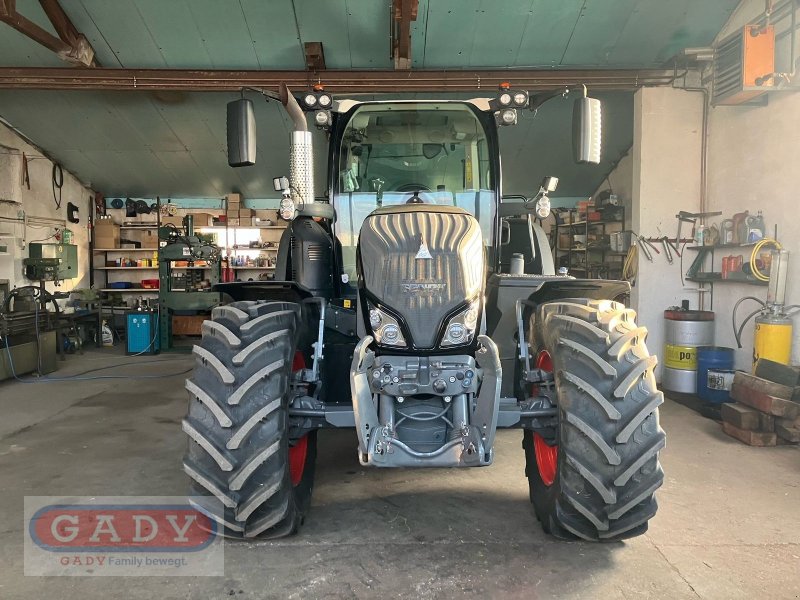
(238, 423)
(605, 452)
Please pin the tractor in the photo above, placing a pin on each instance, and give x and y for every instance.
(416, 305)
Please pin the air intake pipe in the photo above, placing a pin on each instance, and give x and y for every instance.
(301, 154)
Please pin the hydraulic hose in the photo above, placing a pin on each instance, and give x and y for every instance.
(737, 332)
(757, 273)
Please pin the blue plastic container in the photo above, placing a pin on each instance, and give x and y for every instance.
(718, 360)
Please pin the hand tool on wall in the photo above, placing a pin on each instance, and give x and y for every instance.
(667, 249)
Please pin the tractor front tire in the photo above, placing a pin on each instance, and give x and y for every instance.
(238, 423)
(597, 478)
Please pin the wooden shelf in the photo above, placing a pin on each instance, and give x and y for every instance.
(721, 247)
(591, 223)
(130, 290)
(703, 278)
(127, 268)
(141, 227)
(125, 249)
(253, 268)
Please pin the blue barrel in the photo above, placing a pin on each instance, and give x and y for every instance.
(714, 373)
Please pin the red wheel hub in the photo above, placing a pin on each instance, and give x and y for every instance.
(297, 459)
(544, 361)
(546, 459)
(546, 456)
(297, 453)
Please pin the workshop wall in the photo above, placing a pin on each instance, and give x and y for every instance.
(752, 166)
(37, 202)
(665, 161)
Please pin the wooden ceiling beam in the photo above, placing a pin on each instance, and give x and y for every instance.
(403, 13)
(315, 56)
(71, 46)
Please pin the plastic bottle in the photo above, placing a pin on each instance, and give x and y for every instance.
(699, 235)
(108, 335)
(755, 228)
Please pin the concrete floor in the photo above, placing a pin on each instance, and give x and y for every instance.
(728, 527)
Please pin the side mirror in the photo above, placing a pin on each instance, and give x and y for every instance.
(587, 131)
(241, 123)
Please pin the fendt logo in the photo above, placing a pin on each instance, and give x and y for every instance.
(412, 287)
(71, 528)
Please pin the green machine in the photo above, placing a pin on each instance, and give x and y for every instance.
(185, 289)
(51, 262)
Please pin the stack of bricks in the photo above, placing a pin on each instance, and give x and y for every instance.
(767, 409)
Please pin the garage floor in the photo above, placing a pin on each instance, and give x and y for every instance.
(728, 527)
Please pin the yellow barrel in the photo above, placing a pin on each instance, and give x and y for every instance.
(772, 339)
(680, 357)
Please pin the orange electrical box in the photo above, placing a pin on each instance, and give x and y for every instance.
(743, 64)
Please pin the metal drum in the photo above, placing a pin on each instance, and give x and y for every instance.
(685, 330)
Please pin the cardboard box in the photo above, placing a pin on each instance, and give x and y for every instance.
(106, 234)
(232, 201)
(246, 212)
(203, 220)
(187, 324)
(233, 222)
(232, 214)
(177, 221)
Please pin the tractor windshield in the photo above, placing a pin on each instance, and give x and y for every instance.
(432, 152)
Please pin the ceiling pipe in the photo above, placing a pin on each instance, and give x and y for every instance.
(335, 81)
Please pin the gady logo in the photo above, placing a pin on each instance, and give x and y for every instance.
(121, 528)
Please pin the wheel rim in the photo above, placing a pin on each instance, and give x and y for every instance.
(546, 459)
(297, 460)
(546, 456)
(297, 453)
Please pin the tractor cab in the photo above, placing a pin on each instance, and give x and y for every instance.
(427, 154)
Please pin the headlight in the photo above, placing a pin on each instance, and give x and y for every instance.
(287, 209)
(385, 328)
(375, 318)
(310, 100)
(461, 328)
(508, 116)
(322, 118)
(520, 98)
(505, 99)
(325, 100)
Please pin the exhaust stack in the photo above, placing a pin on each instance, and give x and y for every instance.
(301, 154)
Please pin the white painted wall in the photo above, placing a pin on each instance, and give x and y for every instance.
(752, 166)
(665, 166)
(37, 202)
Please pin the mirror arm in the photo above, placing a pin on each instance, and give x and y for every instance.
(538, 100)
(266, 93)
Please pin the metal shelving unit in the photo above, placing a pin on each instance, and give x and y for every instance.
(583, 260)
(712, 277)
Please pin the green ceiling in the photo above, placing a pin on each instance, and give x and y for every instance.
(174, 144)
